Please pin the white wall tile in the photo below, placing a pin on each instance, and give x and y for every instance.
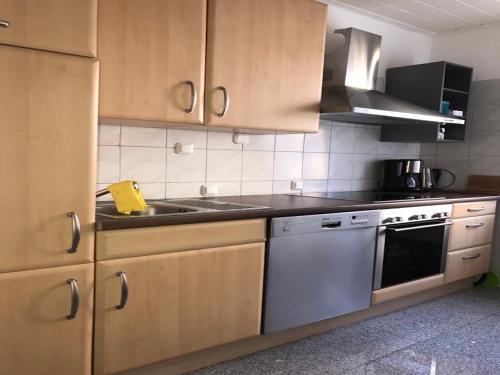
(144, 164)
(256, 187)
(341, 166)
(228, 188)
(221, 141)
(365, 167)
(197, 138)
(315, 186)
(283, 187)
(287, 165)
(485, 142)
(108, 164)
(223, 165)
(339, 185)
(257, 165)
(104, 198)
(315, 166)
(484, 165)
(138, 136)
(289, 142)
(186, 168)
(343, 138)
(387, 148)
(408, 149)
(109, 135)
(183, 189)
(154, 190)
(364, 184)
(260, 142)
(457, 164)
(366, 139)
(428, 149)
(319, 142)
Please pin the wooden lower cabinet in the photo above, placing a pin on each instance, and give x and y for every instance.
(471, 231)
(466, 263)
(177, 303)
(36, 337)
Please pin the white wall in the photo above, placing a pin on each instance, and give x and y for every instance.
(399, 46)
(479, 48)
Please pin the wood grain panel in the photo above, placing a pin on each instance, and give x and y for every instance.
(269, 56)
(123, 243)
(469, 209)
(486, 184)
(48, 105)
(405, 289)
(466, 263)
(35, 336)
(178, 303)
(148, 49)
(472, 231)
(68, 26)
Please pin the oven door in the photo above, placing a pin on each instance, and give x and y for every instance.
(410, 251)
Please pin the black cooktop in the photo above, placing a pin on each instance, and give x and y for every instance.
(372, 196)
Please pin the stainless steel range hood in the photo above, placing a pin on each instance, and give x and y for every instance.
(349, 83)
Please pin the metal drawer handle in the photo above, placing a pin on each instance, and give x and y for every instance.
(4, 24)
(194, 97)
(226, 101)
(418, 227)
(75, 232)
(475, 209)
(75, 299)
(474, 225)
(124, 288)
(471, 257)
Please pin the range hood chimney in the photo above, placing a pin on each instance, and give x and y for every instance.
(349, 87)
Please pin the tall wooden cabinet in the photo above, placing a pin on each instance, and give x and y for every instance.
(157, 307)
(48, 105)
(67, 26)
(43, 331)
(152, 55)
(265, 64)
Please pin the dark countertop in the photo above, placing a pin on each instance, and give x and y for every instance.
(281, 205)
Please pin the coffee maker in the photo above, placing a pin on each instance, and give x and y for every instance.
(402, 175)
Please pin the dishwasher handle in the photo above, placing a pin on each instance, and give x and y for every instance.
(331, 224)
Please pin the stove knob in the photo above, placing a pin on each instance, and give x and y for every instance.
(399, 218)
(414, 217)
(423, 216)
(388, 220)
(436, 216)
(445, 214)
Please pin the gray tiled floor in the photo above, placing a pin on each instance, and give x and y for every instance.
(458, 334)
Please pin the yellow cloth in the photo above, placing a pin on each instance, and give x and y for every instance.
(127, 198)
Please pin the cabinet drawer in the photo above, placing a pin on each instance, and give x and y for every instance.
(124, 243)
(467, 263)
(469, 232)
(474, 209)
(67, 26)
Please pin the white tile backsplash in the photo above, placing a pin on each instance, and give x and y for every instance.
(340, 157)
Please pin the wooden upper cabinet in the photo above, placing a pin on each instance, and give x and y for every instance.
(268, 56)
(177, 303)
(37, 335)
(149, 51)
(48, 136)
(67, 26)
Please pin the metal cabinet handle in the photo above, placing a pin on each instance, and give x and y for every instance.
(475, 209)
(194, 97)
(75, 299)
(124, 288)
(474, 225)
(4, 24)
(226, 101)
(418, 227)
(75, 232)
(471, 257)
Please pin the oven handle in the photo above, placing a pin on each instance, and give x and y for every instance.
(418, 227)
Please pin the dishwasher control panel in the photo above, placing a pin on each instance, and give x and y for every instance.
(325, 222)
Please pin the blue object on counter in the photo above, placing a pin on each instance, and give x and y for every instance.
(445, 107)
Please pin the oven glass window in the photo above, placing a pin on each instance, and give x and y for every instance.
(412, 254)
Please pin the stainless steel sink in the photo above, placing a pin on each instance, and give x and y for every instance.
(109, 210)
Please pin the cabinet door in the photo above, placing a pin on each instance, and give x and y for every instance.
(467, 263)
(268, 56)
(149, 50)
(68, 26)
(177, 303)
(48, 104)
(36, 335)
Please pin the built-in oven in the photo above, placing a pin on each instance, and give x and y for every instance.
(412, 244)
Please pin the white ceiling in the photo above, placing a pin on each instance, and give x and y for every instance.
(430, 16)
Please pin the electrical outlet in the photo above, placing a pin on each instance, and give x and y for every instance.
(296, 185)
(207, 190)
(241, 139)
(184, 148)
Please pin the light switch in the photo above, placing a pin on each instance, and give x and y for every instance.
(184, 148)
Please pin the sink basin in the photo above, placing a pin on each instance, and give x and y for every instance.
(152, 210)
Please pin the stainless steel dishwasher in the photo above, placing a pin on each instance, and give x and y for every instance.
(318, 267)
